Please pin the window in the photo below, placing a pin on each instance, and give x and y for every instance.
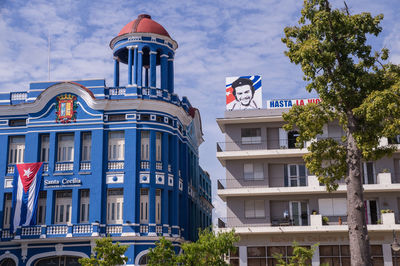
(251, 135)
(234, 257)
(253, 171)
(63, 207)
(7, 210)
(333, 207)
(377, 255)
(283, 139)
(335, 255)
(292, 137)
(145, 117)
(254, 208)
(158, 146)
(297, 175)
(369, 173)
(17, 122)
(86, 146)
(84, 206)
(115, 204)
(144, 206)
(41, 208)
(116, 146)
(145, 142)
(371, 208)
(117, 117)
(299, 212)
(16, 150)
(44, 147)
(256, 256)
(158, 206)
(160, 119)
(285, 251)
(65, 148)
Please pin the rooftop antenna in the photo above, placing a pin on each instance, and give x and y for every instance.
(48, 54)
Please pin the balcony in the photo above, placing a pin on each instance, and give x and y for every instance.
(336, 224)
(241, 187)
(64, 166)
(85, 166)
(116, 165)
(86, 230)
(260, 149)
(144, 165)
(10, 169)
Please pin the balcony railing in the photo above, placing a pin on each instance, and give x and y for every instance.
(57, 229)
(64, 166)
(81, 230)
(114, 229)
(10, 169)
(159, 166)
(255, 222)
(116, 165)
(45, 167)
(85, 166)
(300, 181)
(31, 231)
(268, 144)
(145, 165)
(117, 91)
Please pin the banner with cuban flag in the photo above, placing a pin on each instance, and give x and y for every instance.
(26, 186)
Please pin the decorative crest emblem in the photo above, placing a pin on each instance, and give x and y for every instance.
(66, 108)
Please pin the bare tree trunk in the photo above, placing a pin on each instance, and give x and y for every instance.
(358, 233)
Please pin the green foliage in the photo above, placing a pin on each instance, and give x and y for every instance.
(357, 88)
(162, 254)
(210, 249)
(325, 220)
(302, 256)
(107, 254)
(387, 211)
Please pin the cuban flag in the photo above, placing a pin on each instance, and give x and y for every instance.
(26, 185)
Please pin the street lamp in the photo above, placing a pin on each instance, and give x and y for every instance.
(395, 247)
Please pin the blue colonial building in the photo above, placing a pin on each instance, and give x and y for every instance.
(120, 161)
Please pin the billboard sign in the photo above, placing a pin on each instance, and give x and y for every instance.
(243, 93)
(277, 104)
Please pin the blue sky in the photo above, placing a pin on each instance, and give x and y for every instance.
(216, 39)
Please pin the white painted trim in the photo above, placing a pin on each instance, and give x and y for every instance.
(9, 255)
(56, 253)
(138, 256)
(96, 104)
(45, 113)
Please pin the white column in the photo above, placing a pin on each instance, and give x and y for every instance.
(315, 258)
(242, 255)
(387, 255)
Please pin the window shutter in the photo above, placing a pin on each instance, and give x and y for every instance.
(285, 174)
(283, 139)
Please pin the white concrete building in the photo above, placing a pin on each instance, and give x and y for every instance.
(272, 200)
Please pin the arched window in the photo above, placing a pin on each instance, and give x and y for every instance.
(58, 261)
(144, 260)
(7, 262)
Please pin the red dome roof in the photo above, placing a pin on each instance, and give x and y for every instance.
(144, 23)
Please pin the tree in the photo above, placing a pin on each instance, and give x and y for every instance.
(358, 88)
(302, 256)
(107, 254)
(210, 249)
(162, 254)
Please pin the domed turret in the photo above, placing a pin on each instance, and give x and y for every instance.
(148, 50)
